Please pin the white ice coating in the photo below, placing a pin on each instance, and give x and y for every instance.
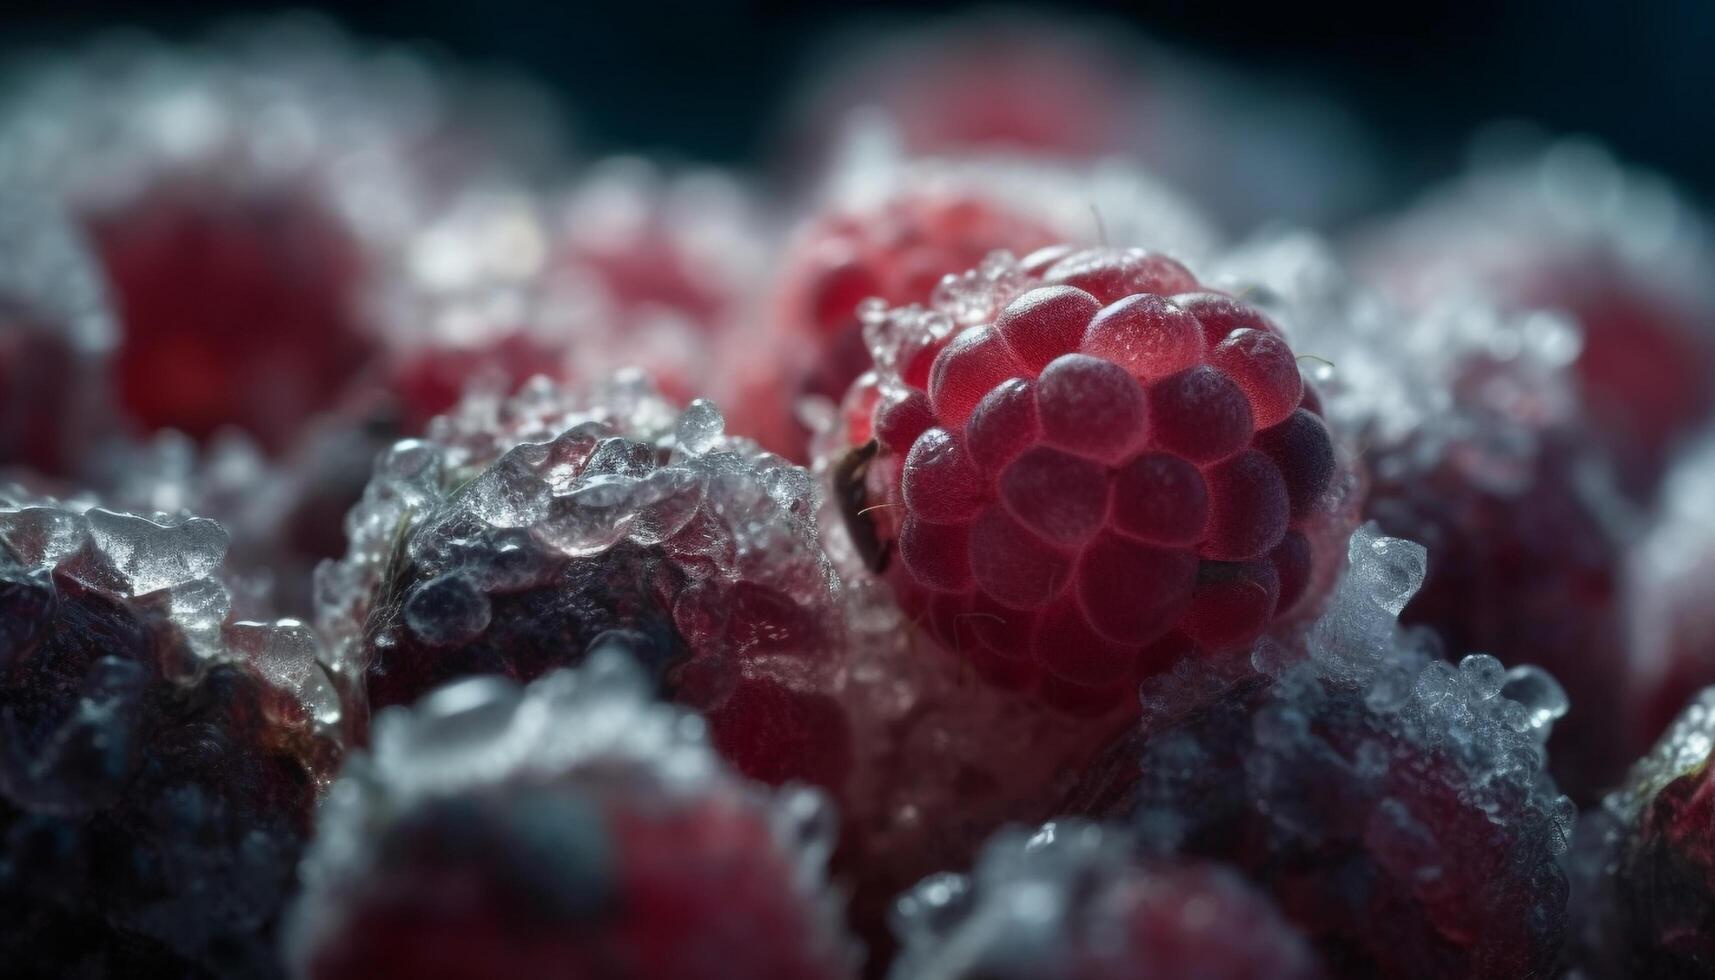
(1527, 203)
(1391, 377)
(1047, 902)
(48, 279)
(172, 562)
(577, 473)
(1480, 705)
(598, 723)
(1011, 913)
(501, 260)
(1668, 572)
(1684, 748)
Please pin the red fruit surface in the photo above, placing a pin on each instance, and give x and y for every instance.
(1092, 487)
(897, 252)
(573, 828)
(235, 309)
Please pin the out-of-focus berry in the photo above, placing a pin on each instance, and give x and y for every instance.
(1052, 88)
(1569, 230)
(159, 760)
(630, 267)
(1075, 901)
(569, 828)
(1395, 805)
(1671, 596)
(242, 198)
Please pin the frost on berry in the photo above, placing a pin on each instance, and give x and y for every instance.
(1672, 621)
(891, 228)
(1647, 861)
(1567, 228)
(238, 197)
(1475, 448)
(523, 531)
(1077, 901)
(1107, 475)
(1396, 806)
(56, 335)
(159, 759)
(571, 827)
(632, 266)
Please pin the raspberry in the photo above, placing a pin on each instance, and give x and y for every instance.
(1111, 912)
(607, 841)
(525, 531)
(1395, 805)
(1648, 861)
(1093, 490)
(633, 266)
(160, 761)
(1555, 230)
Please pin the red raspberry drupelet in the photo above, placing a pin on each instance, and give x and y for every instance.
(1107, 468)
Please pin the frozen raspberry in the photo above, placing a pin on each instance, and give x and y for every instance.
(1396, 806)
(1569, 230)
(160, 760)
(1088, 465)
(569, 828)
(1647, 888)
(1476, 449)
(240, 262)
(523, 531)
(1097, 911)
(633, 266)
(56, 335)
(686, 244)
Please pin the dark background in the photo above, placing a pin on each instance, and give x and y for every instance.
(705, 80)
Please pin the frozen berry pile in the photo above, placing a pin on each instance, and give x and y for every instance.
(1022, 529)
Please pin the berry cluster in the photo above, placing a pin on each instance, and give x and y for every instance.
(1293, 593)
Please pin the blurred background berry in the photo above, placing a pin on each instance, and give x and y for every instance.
(1420, 80)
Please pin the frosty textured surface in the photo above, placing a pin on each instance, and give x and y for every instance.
(1076, 901)
(523, 529)
(603, 813)
(159, 760)
(1397, 806)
